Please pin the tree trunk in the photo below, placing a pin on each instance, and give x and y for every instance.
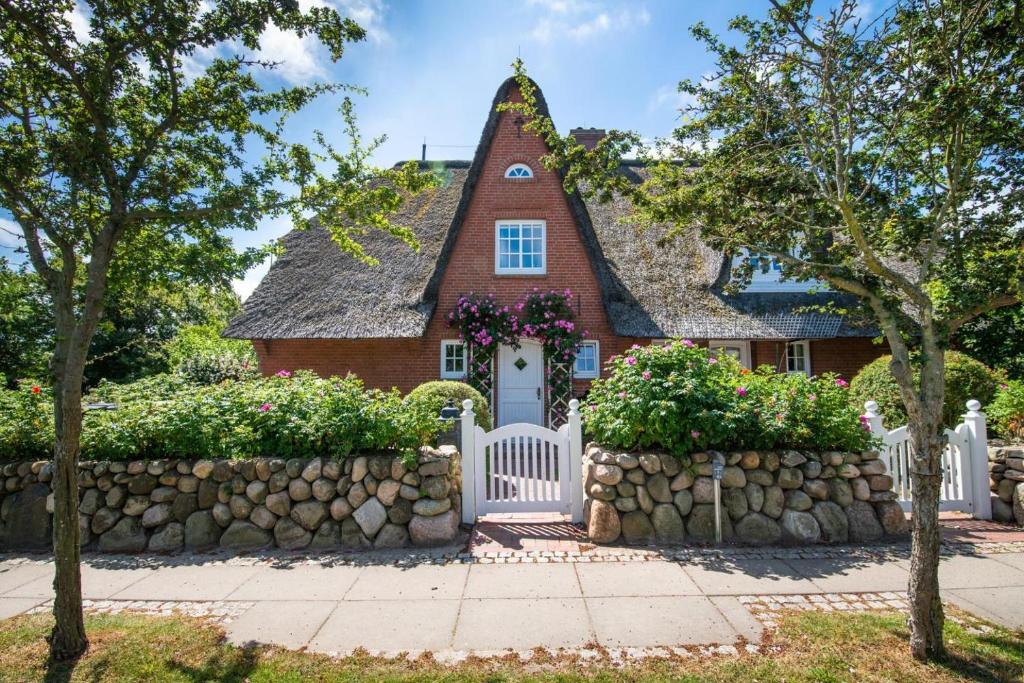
(926, 617)
(67, 640)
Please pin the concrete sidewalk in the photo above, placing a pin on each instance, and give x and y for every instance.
(335, 606)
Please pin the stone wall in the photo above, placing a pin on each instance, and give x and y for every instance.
(1006, 479)
(163, 506)
(767, 498)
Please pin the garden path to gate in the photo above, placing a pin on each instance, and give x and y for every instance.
(453, 601)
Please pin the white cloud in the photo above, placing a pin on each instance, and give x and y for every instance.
(10, 234)
(582, 21)
(299, 60)
(79, 23)
(367, 13)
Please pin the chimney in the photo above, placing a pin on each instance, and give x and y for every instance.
(588, 137)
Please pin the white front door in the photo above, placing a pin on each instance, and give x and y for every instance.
(521, 384)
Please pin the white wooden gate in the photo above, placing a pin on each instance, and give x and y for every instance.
(964, 462)
(522, 467)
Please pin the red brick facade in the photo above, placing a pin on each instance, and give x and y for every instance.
(405, 363)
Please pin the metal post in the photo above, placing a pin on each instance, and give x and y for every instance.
(978, 456)
(717, 470)
(468, 463)
(576, 474)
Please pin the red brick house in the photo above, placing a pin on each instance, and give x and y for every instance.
(503, 224)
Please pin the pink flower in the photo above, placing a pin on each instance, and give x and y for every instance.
(265, 407)
(812, 397)
(284, 373)
(712, 360)
(841, 383)
(695, 434)
(634, 347)
(622, 394)
(630, 360)
(646, 374)
(688, 344)
(741, 391)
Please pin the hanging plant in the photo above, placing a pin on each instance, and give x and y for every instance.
(484, 323)
(549, 318)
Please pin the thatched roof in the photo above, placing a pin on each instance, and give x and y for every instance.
(314, 291)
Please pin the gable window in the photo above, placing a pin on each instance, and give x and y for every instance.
(587, 364)
(798, 357)
(738, 349)
(519, 248)
(453, 360)
(518, 171)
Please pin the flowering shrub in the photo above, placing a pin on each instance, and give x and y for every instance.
(26, 421)
(298, 415)
(1006, 412)
(682, 398)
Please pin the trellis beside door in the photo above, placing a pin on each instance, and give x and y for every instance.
(522, 467)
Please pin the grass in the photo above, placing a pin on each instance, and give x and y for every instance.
(809, 646)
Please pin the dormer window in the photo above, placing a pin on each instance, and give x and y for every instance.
(518, 171)
(768, 276)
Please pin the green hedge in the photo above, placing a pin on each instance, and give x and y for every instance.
(167, 416)
(433, 396)
(966, 378)
(682, 398)
(1006, 412)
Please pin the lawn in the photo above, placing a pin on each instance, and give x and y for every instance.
(807, 647)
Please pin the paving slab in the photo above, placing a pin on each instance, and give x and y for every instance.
(12, 607)
(739, 617)
(747, 577)
(523, 581)
(606, 579)
(98, 583)
(419, 582)
(851, 576)
(654, 621)
(989, 603)
(15, 575)
(191, 582)
(299, 582)
(974, 571)
(289, 623)
(388, 626)
(522, 624)
(1015, 560)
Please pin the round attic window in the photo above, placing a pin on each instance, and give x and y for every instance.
(518, 171)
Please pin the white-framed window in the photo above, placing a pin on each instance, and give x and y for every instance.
(737, 348)
(518, 171)
(453, 359)
(588, 361)
(767, 276)
(519, 247)
(798, 357)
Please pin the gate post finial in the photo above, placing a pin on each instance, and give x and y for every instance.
(576, 474)
(978, 463)
(468, 448)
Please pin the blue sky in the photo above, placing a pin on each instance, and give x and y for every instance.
(432, 67)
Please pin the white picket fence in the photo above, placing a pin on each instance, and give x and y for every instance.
(965, 486)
